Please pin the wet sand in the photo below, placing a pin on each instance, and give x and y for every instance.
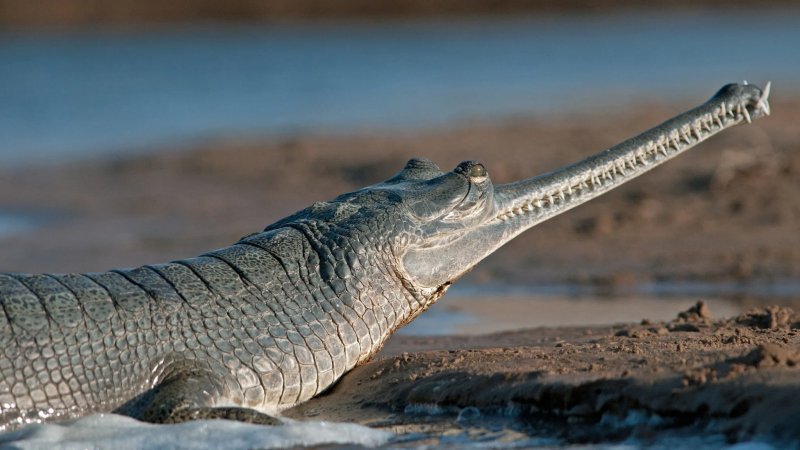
(735, 377)
(727, 211)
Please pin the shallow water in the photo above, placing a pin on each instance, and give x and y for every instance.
(99, 92)
(479, 309)
(15, 223)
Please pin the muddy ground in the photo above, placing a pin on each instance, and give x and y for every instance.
(736, 377)
(728, 211)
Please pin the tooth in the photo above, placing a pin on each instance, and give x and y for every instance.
(696, 131)
(561, 195)
(762, 102)
(746, 115)
(569, 190)
(539, 203)
(718, 121)
(662, 150)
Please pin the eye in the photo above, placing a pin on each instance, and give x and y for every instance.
(477, 171)
(473, 170)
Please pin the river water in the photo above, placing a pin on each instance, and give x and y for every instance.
(101, 92)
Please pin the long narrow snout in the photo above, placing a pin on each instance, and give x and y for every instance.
(526, 203)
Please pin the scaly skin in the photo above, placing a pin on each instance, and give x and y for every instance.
(278, 317)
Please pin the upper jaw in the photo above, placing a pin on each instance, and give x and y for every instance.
(552, 193)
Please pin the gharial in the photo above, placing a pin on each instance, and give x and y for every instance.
(278, 317)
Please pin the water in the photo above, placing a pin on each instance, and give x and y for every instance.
(90, 93)
(112, 431)
(490, 308)
(15, 223)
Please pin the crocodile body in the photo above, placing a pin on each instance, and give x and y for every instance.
(280, 315)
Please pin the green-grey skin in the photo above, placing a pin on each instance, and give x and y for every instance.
(278, 317)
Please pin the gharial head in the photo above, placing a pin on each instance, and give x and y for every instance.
(438, 225)
(437, 220)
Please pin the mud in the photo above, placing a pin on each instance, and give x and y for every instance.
(732, 376)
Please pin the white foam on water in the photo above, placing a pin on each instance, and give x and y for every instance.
(111, 431)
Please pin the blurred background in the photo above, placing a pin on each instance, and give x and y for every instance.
(138, 131)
